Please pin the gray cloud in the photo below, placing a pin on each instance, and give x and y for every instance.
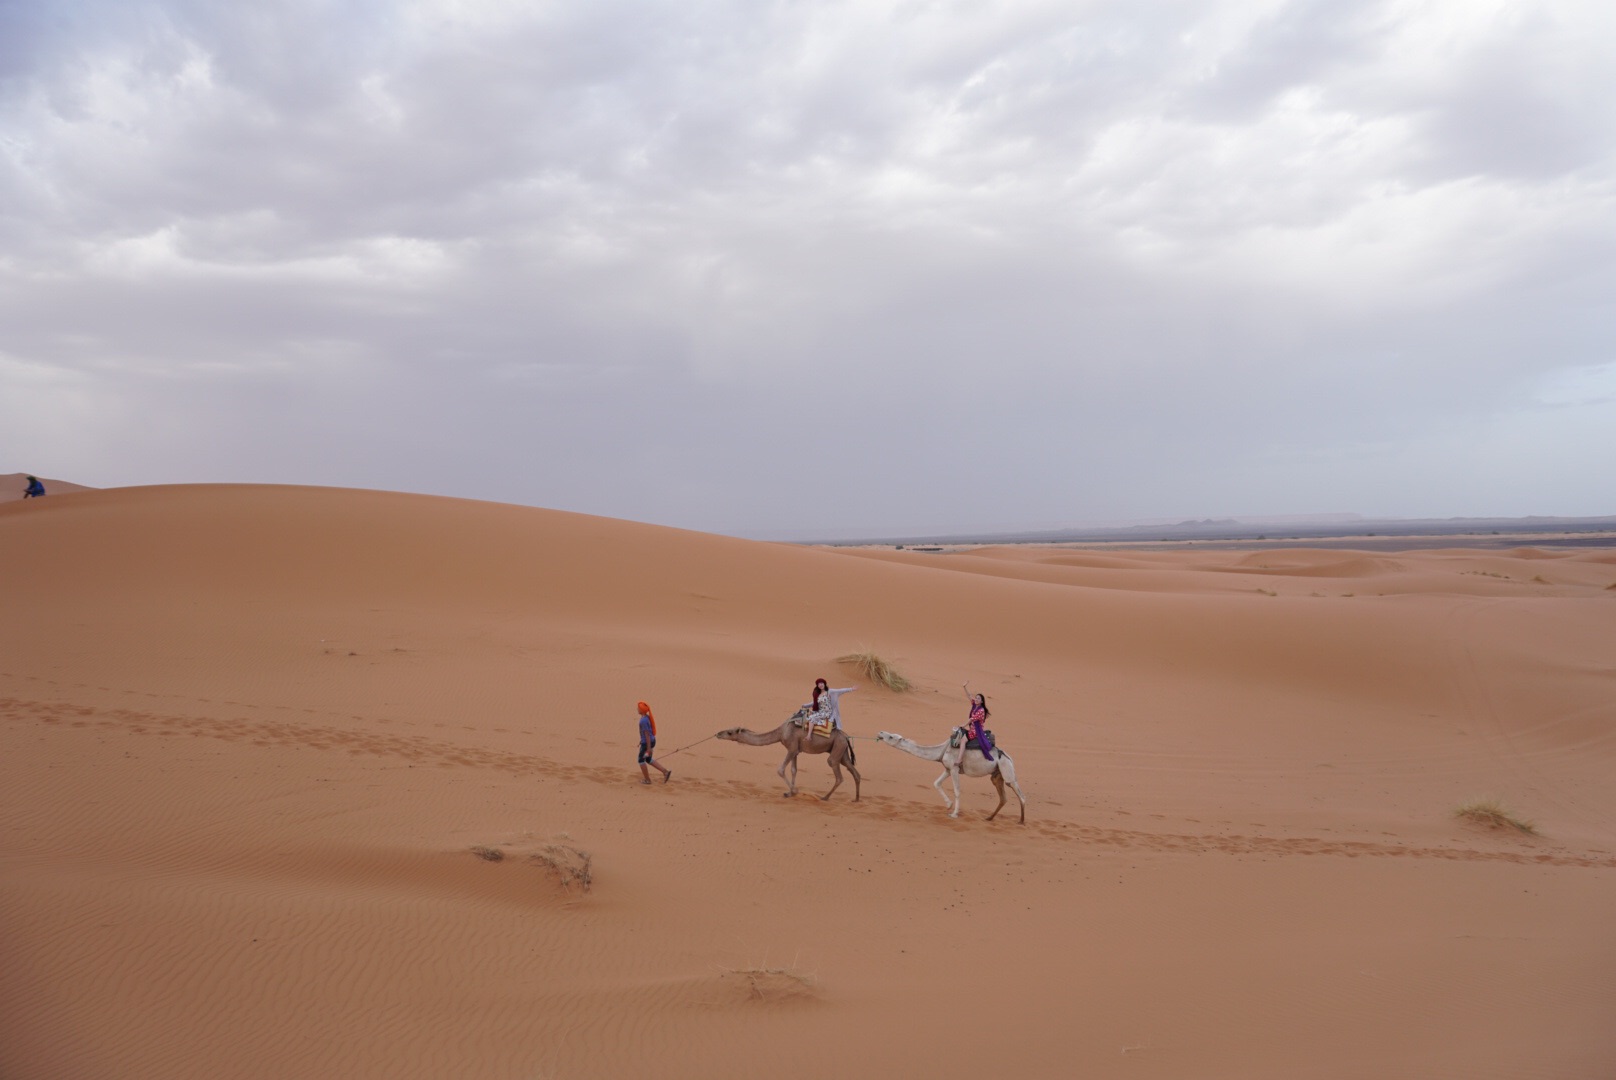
(815, 269)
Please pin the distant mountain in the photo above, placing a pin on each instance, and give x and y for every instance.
(1320, 526)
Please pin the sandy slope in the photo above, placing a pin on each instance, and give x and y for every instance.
(252, 734)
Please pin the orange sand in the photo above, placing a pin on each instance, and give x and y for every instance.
(251, 735)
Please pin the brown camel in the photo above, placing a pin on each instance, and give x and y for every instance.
(795, 738)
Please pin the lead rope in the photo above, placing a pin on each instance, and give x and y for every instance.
(698, 742)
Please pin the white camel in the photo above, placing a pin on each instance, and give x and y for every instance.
(956, 759)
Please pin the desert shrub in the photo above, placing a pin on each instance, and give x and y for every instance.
(773, 985)
(877, 670)
(572, 868)
(1493, 814)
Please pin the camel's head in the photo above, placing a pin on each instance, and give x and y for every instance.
(890, 738)
(728, 733)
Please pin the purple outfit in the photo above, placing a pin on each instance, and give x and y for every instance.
(976, 729)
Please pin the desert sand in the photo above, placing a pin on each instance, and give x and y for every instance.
(261, 745)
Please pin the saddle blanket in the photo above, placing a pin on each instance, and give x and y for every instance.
(823, 730)
(971, 743)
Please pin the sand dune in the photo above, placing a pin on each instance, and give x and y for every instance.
(263, 743)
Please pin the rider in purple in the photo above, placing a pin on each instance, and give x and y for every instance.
(976, 726)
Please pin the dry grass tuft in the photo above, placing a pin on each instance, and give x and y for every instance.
(771, 985)
(572, 868)
(877, 670)
(1492, 813)
(492, 854)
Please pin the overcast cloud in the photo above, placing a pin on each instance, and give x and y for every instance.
(792, 269)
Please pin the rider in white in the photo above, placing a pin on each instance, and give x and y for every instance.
(828, 701)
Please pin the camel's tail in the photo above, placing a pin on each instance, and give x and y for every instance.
(852, 754)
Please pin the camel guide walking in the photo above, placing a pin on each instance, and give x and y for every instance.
(648, 746)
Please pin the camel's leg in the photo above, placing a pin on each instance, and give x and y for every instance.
(837, 769)
(791, 781)
(998, 782)
(951, 771)
(1007, 769)
(858, 781)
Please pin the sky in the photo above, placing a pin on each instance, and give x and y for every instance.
(819, 270)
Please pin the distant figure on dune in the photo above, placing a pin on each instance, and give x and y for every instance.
(34, 490)
(976, 731)
(648, 746)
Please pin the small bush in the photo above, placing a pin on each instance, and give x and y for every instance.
(492, 854)
(572, 867)
(1491, 813)
(875, 669)
(771, 985)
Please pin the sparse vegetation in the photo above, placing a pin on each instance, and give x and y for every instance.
(572, 867)
(877, 670)
(1268, 592)
(1493, 814)
(774, 984)
(492, 854)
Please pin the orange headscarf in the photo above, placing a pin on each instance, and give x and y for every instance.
(645, 711)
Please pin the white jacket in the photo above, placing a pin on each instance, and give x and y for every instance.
(830, 704)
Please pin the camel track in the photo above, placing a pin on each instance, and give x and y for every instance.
(427, 751)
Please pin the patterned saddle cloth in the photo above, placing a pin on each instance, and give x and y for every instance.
(823, 728)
